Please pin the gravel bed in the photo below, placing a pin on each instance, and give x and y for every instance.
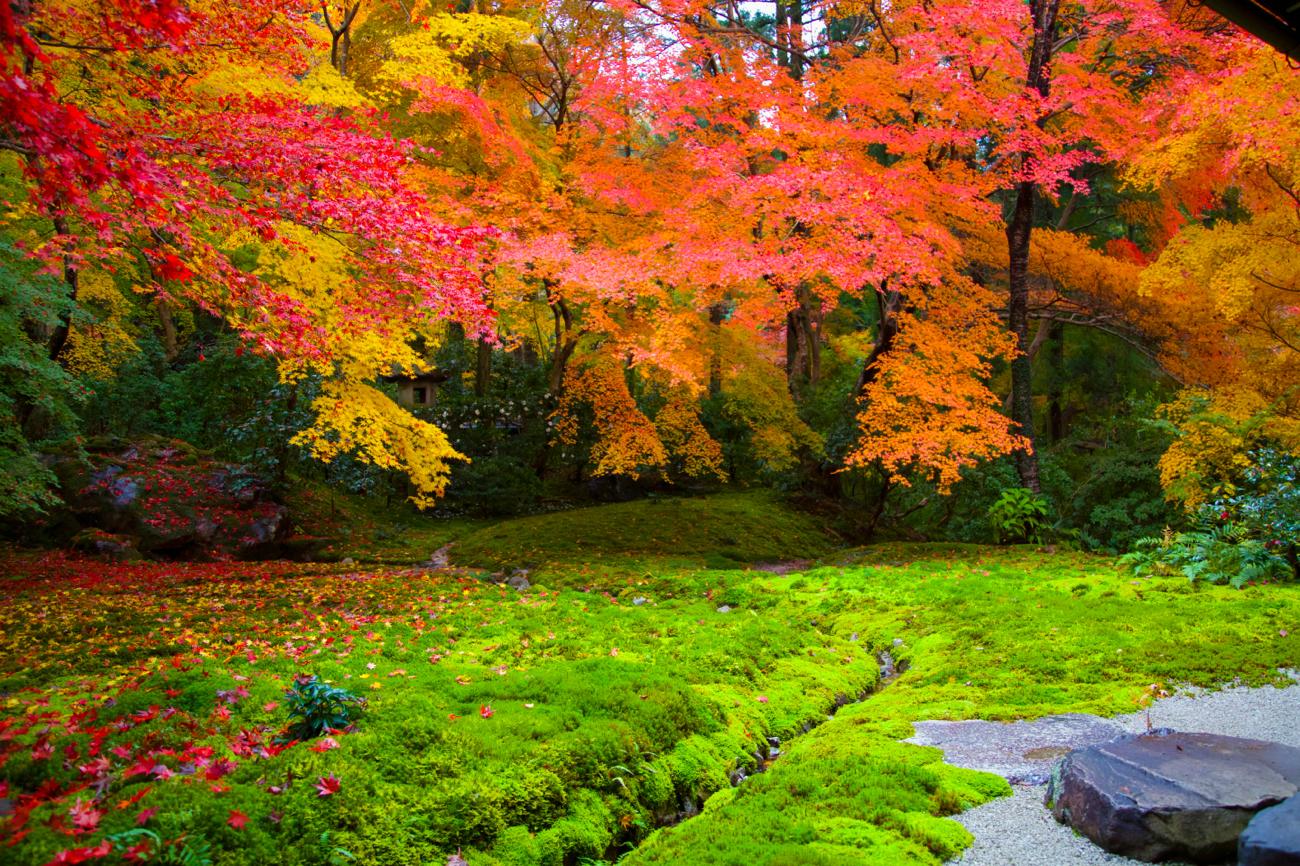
(1020, 831)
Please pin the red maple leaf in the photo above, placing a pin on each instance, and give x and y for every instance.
(486, 711)
(237, 819)
(85, 817)
(327, 786)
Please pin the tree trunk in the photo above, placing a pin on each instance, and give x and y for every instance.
(888, 303)
(794, 356)
(1019, 230)
(168, 326)
(482, 367)
(59, 336)
(566, 341)
(1056, 357)
(716, 314)
(340, 36)
(1022, 392)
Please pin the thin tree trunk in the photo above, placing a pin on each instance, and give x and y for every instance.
(794, 355)
(566, 341)
(888, 303)
(168, 324)
(716, 313)
(1019, 231)
(59, 336)
(482, 367)
(1056, 357)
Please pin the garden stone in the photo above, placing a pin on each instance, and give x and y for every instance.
(162, 498)
(1272, 838)
(726, 608)
(1171, 795)
(1022, 752)
(106, 545)
(518, 580)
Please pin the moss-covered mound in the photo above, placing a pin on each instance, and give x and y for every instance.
(721, 531)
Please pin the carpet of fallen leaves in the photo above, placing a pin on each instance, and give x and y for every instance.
(99, 661)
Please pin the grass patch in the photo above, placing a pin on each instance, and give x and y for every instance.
(570, 722)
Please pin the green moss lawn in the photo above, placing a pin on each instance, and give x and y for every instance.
(142, 705)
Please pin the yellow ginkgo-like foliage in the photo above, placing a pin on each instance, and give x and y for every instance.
(98, 348)
(352, 416)
(1215, 430)
(691, 449)
(323, 85)
(755, 396)
(435, 49)
(1231, 273)
(355, 418)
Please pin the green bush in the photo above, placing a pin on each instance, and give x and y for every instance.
(1266, 503)
(1020, 516)
(1217, 554)
(494, 487)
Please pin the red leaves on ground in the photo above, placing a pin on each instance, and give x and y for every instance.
(327, 786)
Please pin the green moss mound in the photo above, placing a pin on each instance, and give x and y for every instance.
(723, 531)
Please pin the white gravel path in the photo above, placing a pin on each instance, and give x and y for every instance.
(1020, 831)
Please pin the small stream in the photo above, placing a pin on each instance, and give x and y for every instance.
(770, 752)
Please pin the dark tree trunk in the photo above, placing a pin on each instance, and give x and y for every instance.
(340, 36)
(1019, 230)
(1056, 357)
(168, 325)
(566, 342)
(482, 367)
(716, 314)
(59, 335)
(794, 356)
(1022, 392)
(888, 302)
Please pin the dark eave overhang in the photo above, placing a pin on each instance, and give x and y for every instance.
(1277, 22)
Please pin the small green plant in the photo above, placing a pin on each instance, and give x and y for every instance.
(316, 708)
(140, 844)
(1020, 516)
(1217, 554)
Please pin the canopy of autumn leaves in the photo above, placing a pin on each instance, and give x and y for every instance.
(667, 196)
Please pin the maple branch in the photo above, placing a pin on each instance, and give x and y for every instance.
(874, 9)
(1273, 285)
(1290, 191)
(1272, 331)
(696, 23)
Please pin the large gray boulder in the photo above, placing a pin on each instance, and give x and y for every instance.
(167, 500)
(1272, 838)
(1171, 795)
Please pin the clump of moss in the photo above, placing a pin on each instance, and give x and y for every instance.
(723, 531)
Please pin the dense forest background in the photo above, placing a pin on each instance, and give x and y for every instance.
(937, 270)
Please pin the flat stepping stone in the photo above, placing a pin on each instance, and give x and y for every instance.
(1022, 752)
(1272, 838)
(1172, 795)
